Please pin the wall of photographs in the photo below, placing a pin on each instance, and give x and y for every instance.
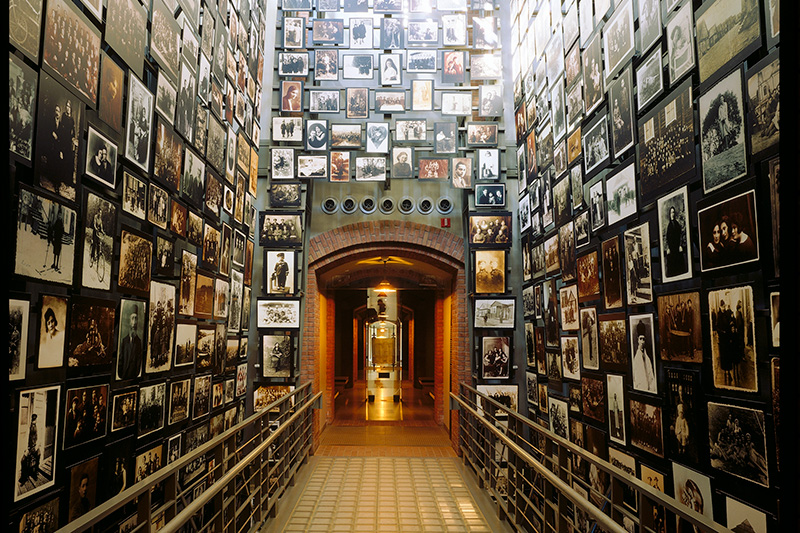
(133, 135)
(647, 135)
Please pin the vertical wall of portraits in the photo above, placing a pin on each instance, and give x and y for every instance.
(664, 214)
(133, 139)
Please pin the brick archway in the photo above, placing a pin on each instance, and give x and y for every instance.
(408, 239)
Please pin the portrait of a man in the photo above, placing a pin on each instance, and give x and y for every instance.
(131, 343)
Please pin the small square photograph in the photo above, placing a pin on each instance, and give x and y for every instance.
(370, 169)
(327, 31)
(434, 168)
(402, 162)
(361, 33)
(357, 101)
(490, 195)
(357, 66)
(421, 61)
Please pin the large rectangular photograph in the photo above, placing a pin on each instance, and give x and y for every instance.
(278, 313)
(733, 344)
(737, 442)
(729, 232)
(35, 464)
(494, 312)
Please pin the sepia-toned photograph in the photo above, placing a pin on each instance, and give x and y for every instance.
(693, 490)
(22, 82)
(422, 93)
(434, 168)
(737, 442)
(86, 413)
(620, 96)
(683, 415)
(482, 133)
(638, 270)
(83, 488)
(462, 172)
(621, 194)
(490, 270)
(495, 357)
(593, 398)
(179, 401)
(646, 429)
(456, 104)
(645, 371)
(201, 405)
(559, 418)
(742, 517)
(91, 328)
(287, 129)
(161, 327)
(490, 98)
(35, 464)
(294, 32)
(140, 124)
(616, 408)
(402, 162)
(680, 335)
(296, 64)
(278, 313)
(613, 341)
(277, 355)
(728, 232)
(390, 101)
(588, 277)
(445, 136)
(680, 44)
(485, 67)
(725, 30)
(494, 312)
(370, 169)
(568, 296)
(185, 343)
(490, 229)
(597, 204)
(589, 338)
(733, 345)
(280, 229)
(763, 93)
(595, 144)
(612, 274)
(593, 86)
(571, 359)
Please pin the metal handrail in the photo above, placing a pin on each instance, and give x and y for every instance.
(170, 473)
(658, 498)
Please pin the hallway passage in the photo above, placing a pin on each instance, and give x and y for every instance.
(385, 478)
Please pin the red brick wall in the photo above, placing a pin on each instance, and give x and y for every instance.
(406, 239)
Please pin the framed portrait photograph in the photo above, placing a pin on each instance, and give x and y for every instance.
(722, 133)
(621, 194)
(488, 164)
(123, 410)
(763, 94)
(282, 163)
(490, 271)
(186, 293)
(445, 135)
(593, 80)
(284, 195)
(295, 64)
(291, 95)
(344, 136)
(402, 162)
(575, 106)
(618, 38)
(422, 33)
(680, 44)
(496, 313)
(728, 232)
(327, 31)
(326, 65)
(161, 328)
(45, 238)
(85, 416)
(22, 107)
(277, 355)
(357, 102)
(421, 61)
(490, 99)
(38, 414)
(674, 239)
(649, 80)
(280, 229)
(456, 104)
(612, 274)
(323, 101)
(390, 67)
(280, 271)
(620, 95)
(495, 357)
(572, 67)
(316, 135)
(390, 101)
(421, 95)
(157, 206)
(168, 160)
(370, 169)
(434, 168)
(733, 346)
(727, 42)
(59, 128)
(485, 67)
(294, 32)
(453, 66)
(361, 33)
(140, 124)
(595, 144)
(276, 314)
(490, 195)
(377, 137)
(482, 134)
(339, 166)
(454, 29)
(492, 228)
(616, 408)
(724, 445)
(75, 57)
(391, 33)
(680, 328)
(357, 66)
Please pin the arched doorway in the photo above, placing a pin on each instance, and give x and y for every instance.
(350, 258)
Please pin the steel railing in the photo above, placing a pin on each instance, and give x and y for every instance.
(545, 483)
(246, 470)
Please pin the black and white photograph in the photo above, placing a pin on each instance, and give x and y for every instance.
(490, 195)
(571, 358)
(489, 164)
(278, 314)
(593, 87)
(733, 345)
(666, 142)
(726, 31)
(390, 101)
(158, 206)
(680, 327)
(165, 40)
(59, 126)
(201, 404)
(98, 242)
(621, 194)
(618, 38)
(575, 111)
(568, 297)
(684, 406)
(326, 65)
(423, 32)
(647, 428)
(188, 283)
(485, 67)
(24, 28)
(588, 271)
(215, 145)
(134, 195)
(422, 61)
(35, 464)
(582, 232)
(532, 388)
(649, 23)
(454, 29)
(445, 135)
(558, 111)
(638, 269)
(737, 442)
(371, 169)
(412, 130)
(294, 32)
(595, 144)
(320, 101)
(46, 235)
(179, 396)
(673, 218)
(597, 205)
(728, 232)
(402, 162)
(462, 172)
(18, 319)
(85, 415)
(552, 257)
(221, 304)
(235, 303)
(505, 395)
(52, 328)
(22, 81)
(283, 163)
(388, 6)
(185, 343)
(284, 195)
(494, 313)
(722, 133)
(559, 418)
(456, 104)
(277, 356)
(316, 135)
(168, 159)
(490, 99)
(620, 94)
(495, 357)
(649, 80)
(612, 274)
(453, 66)
(294, 64)
(357, 66)
(287, 129)
(161, 327)
(589, 338)
(71, 48)
(126, 32)
(554, 59)
(763, 93)
(645, 372)
(482, 133)
(280, 229)
(742, 517)
(281, 271)
(312, 166)
(83, 487)
(139, 129)
(377, 137)
(361, 33)
(91, 332)
(327, 31)
(593, 398)
(391, 34)
(693, 490)
(680, 44)
(572, 69)
(490, 270)
(616, 408)
(152, 407)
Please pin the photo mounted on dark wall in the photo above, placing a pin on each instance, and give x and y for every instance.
(161, 333)
(593, 87)
(612, 274)
(83, 488)
(763, 93)
(593, 398)
(86, 412)
(490, 269)
(595, 144)
(622, 116)
(647, 428)
(680, 333)
(59, 128)
(280, 229)
(494, 312)
(21, 107)
(649, 80)
(737, 442)
(613, 341)
(673, 223)
(729, 232)
(490, 229)
(152, 406)
(680, 44)
(588, 277)
(724, 30)
(140, 124)
(616, 408)
(618, 37)
(126, 32)
(277, 355)
(35, 464)
(490, 195)
(621, 193)
(590, 350)
(91, 329)
(645, 371)
(733, 344)
(638, 272)
(168, 156)
(495, 357)
(684, 406)
(71, 48)
(722, 139)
